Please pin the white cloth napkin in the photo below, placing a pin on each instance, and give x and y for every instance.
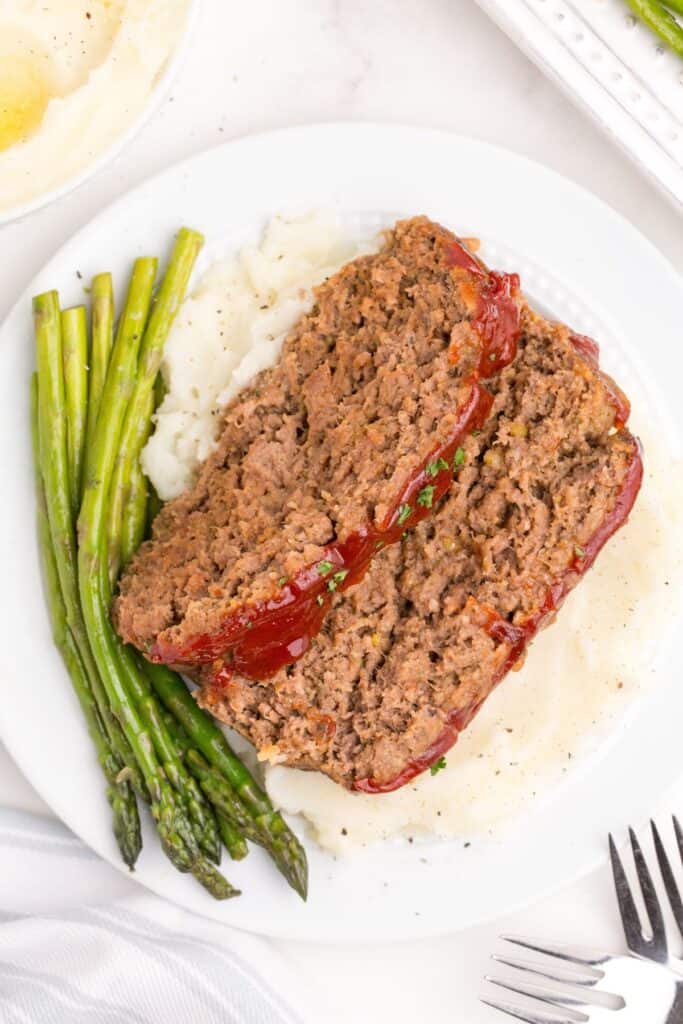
(80, 943)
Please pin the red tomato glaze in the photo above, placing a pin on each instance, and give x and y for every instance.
(261, 637)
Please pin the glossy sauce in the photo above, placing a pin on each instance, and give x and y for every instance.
(262, 637)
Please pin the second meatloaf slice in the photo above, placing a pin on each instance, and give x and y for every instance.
(326, 458)
(406, 658)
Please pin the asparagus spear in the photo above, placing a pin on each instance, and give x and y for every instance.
(224, 798)
(121, 376)
(136, 425)
(115, 476)
(102, 304)
(54, 471)
(137, 419)
(143, 502)
(128, 503)
(126, 821)
(134, 522)
(137, 422)
(661, 21)
(115, 662)
(217, 789)
(233, 815)
(235, 844)
(191, 798)
(75, 355)
(275, 835)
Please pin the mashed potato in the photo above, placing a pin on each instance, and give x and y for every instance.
(230, 328)
(577, 680)
(579, 675)
(74, 75)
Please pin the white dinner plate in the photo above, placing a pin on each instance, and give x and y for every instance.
(578, 259)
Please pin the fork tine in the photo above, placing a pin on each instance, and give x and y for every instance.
(559, 952)
(672, 890)
(658, 945)
(528, 1016)
(556, 974)
(542, 995)
(679, 835)
(627, 908)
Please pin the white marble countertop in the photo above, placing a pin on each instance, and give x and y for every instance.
(439, 63)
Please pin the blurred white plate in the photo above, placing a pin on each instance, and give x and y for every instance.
(119, 142)
(580, 260)
(614, 67)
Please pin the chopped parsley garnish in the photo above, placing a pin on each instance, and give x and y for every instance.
(319, 599)
(459, 457)
(281, 582)
(379, 545)
(324, 567)
(426, 496)
(403, 513)
(338, 578)
(438, 765)
(493, 356)
(476, 433)
(435, 467)
(579, 551)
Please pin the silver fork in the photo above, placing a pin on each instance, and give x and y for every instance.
(645, 987)
(655, 947)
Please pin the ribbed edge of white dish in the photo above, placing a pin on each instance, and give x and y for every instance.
(614, 67)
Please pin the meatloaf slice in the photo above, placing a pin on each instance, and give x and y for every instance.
(326, 458)
(405, 659)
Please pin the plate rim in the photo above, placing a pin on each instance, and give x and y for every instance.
(488, 148)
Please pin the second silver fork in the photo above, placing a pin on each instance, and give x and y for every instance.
(646, 987)
(656, 946)
(598, 989)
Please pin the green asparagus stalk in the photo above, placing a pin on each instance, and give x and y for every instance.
(75, 355)
(126, 821)
(102, 331)
(136, 425)
(143, 504)
(213, 881)
(121, 377)
(234, 843)
(189, 794)
(154, 502)
(137, 422)
(217, 789)
(275, 835)
(134, 524)
(52, 430)
(224, 798)
(233, 815)
(674, 5)
(128, 504)
(116, 664)
(661, 21)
